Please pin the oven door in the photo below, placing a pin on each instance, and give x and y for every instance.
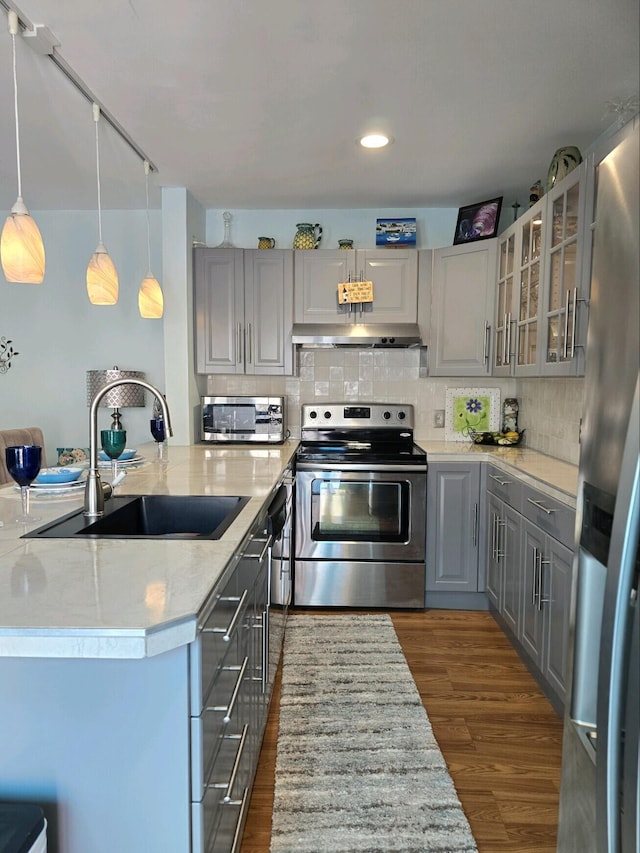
(361, 512)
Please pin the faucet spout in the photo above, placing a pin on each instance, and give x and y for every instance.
(94, 493)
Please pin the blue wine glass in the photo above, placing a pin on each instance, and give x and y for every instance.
(158, 433)
(23, 463)
(113, 442)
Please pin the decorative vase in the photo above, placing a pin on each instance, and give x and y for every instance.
(307, 236)
(564, 161)
(345, 244)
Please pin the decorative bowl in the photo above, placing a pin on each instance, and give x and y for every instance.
(504, 439)
(64, 474)
(72, 455)
(126, 454)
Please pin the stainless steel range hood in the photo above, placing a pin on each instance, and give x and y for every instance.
(357, 334)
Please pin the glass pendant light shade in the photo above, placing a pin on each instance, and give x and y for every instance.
(102, 278)
(21, 247)
(150, 299)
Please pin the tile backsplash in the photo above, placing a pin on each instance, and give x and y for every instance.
(550, 409)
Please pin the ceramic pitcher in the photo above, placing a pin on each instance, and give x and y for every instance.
(266, 242)
(307, 236)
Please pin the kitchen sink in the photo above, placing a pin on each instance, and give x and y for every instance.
(150, 517)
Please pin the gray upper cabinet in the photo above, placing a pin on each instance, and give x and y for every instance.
(462, 293)
(243, 311)
(394, 273)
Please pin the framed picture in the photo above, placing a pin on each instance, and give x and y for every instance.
(470, 410)
(478, 221)
(396, 232)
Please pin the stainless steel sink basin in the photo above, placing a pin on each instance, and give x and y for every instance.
(150, 517)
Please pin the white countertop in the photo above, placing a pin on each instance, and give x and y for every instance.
(552, 476)
(125, 598)
(136, 598)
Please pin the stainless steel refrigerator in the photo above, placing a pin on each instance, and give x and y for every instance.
(599, 789)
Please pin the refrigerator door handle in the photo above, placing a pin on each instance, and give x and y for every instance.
(619, 598)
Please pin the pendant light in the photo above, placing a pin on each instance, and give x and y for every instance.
(21, 246)
(150, 299)
(102, 278)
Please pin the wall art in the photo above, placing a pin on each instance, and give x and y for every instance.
(7, 352)
(478, 221)
(470, 410)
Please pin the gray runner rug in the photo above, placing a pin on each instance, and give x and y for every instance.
(358, 768)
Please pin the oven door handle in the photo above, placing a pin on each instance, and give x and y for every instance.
(363, 467)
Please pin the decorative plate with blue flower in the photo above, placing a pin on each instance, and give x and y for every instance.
(471, 410)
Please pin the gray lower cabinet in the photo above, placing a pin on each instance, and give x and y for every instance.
(455, 560)
(529, 557)
(229, 699)
(243, 301)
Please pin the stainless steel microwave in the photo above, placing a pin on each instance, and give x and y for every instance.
(242, 419)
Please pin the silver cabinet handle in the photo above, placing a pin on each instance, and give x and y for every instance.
(494, 518)
(499, 481)
(541, 506)
(565, 345)
(504, 341)
(509, 340)
(474, 538)
(237, 835)
(534, 578)
(268, 542)
(239, 343)
(546, 599)
(236, 764)
(249, 343)
(573, 322)
(229, 708)
(228, 631)
(499, 543)
(487, 338)
(265, 649)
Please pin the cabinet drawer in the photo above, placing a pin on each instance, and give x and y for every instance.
(505, 486)
(222, 717)
(212, 647)
(552, 516)
(231, 775)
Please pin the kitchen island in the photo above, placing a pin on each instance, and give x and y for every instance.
(97, 650)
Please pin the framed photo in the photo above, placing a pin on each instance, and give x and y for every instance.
(396, 232)
(478, 221)
(470, 410)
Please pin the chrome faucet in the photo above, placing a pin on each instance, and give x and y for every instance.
(95, 491)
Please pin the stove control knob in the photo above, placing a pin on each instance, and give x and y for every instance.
(313, 414)
(386, 415)
(401, 415)
(327, 415)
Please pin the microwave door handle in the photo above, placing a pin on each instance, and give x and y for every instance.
(620, 601)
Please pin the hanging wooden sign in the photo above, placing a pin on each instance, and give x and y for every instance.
(355, 291)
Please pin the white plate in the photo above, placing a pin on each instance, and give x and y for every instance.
(125, 456)
(127, 462)
(60, 489)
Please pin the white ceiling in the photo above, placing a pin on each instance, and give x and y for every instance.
(255, 104)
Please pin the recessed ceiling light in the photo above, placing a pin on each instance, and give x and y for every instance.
(374, 140)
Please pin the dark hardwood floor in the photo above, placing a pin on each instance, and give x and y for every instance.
(499, 734)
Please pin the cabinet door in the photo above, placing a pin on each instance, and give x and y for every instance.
(461, 309)
(505, 304)
(531, 636)
(529, 267)
(317, 274)
(564, 241)
(268, 311)
(511, 532)
(493, 517)
(219, 310)
(394, 273)
(557, 592)
(453, 492)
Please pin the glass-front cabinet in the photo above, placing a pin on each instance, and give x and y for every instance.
(505, 301)
(529, 274)
(542, 287)
(563, 338)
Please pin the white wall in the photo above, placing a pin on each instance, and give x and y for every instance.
(60, 335)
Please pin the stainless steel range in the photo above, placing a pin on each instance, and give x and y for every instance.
(361, 498)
